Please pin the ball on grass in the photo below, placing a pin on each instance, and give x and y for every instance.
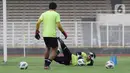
(109, 65)
(23, 65)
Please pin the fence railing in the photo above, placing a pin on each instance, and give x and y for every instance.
(80, 34)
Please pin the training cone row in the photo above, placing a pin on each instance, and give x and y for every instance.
(113, 59)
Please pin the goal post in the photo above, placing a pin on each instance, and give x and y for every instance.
(4, 31)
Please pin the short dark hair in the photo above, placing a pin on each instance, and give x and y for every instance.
(52, 5)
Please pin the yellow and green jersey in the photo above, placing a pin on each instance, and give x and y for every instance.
(84, 55)
(49, 19)
(74, 59)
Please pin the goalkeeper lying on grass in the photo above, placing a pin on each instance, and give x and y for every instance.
(80, 58)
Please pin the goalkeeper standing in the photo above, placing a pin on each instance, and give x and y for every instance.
(51, 20)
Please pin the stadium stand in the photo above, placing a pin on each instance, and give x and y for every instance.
(1, 10)
(28, 11)
(127, 5)
(25, 10)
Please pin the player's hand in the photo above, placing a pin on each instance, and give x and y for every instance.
(65, 34)
(88, 58)
(37, 36)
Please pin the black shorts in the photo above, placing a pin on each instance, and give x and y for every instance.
(51, 42)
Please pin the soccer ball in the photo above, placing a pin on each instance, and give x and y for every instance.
(23, 65)
(81, 62)
(109, 65)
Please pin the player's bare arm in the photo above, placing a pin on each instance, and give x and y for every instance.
(37, 36)
(61, 29)
(38, 24)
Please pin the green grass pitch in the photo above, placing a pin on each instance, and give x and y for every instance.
(36, 66)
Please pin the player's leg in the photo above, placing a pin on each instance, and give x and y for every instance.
(53, 44)
(64, 59)
(47, 52)
(64, 48)
(67, 55)
(46, 55)
(61, 60)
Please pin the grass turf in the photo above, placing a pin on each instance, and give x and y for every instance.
(36, 66)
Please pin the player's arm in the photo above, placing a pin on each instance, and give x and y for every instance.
(61, 29)
(38, 24)
(39, 21)
(90, 63)
(37, 36)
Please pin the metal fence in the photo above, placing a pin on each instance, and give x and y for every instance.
(80, 34)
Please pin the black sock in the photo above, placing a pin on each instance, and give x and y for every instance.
(47, 62)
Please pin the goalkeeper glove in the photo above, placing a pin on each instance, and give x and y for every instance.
(37, 36)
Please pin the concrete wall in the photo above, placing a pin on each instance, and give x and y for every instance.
(37, 51)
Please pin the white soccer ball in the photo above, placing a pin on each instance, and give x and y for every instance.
(81, 62)
(23, 65)
(109, 65)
